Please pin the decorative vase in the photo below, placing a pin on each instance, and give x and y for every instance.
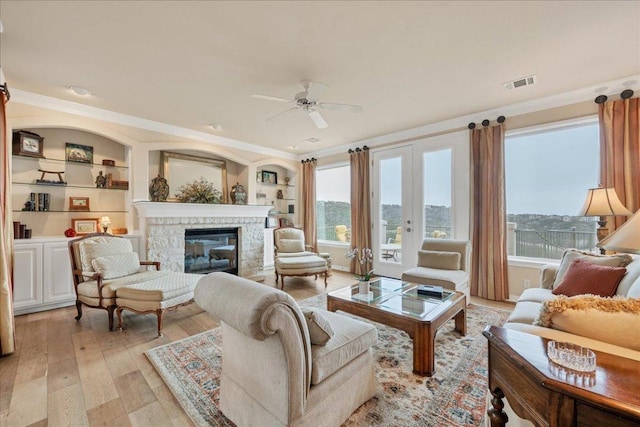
(238, 194)
(363, 287)
(159, 189)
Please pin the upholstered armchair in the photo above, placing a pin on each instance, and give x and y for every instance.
(443, 262)
(282, 366)
(109, 275)
(294, 258)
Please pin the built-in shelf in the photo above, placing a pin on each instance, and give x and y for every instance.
(63, 161)
(66, 186)
(67, 211)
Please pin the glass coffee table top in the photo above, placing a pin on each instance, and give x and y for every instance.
(393, 295)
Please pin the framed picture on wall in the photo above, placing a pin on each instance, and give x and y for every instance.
(84, 226)
(269, 177)
(78, 153)
(79, 204)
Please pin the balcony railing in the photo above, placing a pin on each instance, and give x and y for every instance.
(552, 243)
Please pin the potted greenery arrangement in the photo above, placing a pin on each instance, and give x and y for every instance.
(365, 258)
(198, 191)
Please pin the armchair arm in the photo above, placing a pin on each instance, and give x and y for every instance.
(92, 275)
(152, 263)
(548, 274)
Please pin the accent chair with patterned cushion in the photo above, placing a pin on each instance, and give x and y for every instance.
(294, 258)
(108, 274)
(274, 371)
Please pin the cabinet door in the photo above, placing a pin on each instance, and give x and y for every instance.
(27, 275)
(57, 280)
(268, 248)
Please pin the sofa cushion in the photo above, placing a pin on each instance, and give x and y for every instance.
(101, 246)
(290, 245)
(525, 312)
(300, 263)
(351, 338)
(455, 280)
(536, 295)
(634, 289)
(109, 287)
(320, 330)
(613, 320)
(114, 266)
(571, 254)
(439, 260)
(584, 277)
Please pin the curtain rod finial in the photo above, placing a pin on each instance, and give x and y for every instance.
(601, 99)
(471, 126)
(627, 93)
(501, 119)
(485, 122)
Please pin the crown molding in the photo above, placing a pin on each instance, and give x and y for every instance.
(55, 104)
(589, 93)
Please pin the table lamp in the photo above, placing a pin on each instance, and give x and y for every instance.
(626, 238)
(105, 221)
(603, 202)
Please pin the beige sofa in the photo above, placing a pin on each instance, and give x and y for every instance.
(576, 320)
(282, 365)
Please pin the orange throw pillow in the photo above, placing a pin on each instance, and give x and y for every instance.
(583, 277)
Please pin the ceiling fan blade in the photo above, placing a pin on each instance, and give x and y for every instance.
(317, 119)
(314, 89)
(282, 113)
(340, 107)
(270, 98)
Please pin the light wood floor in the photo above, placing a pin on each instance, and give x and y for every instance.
(68, 373)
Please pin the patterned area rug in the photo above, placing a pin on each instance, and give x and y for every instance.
(453, 396)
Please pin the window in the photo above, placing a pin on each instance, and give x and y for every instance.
(437, 194)
(333, 203)
(548, 173)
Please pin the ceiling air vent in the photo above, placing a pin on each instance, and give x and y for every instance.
(522, 82)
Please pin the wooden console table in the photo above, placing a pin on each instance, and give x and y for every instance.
(519, 369)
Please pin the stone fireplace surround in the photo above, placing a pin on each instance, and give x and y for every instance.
(163, 224)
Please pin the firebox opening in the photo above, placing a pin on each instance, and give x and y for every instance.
(211, 249)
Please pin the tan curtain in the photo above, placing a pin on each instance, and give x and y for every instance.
(309, 202)
(360, 206)
(488, 215)
(7, 326)
(620, 153)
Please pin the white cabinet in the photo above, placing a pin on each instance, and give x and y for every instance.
(27, 275)
(42, 273)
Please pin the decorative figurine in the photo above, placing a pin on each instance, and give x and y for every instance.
(238, 194)
(159, 189)
(101, 180)
(280, 195)
(286, 180)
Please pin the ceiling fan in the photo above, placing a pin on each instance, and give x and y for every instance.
(307, 101)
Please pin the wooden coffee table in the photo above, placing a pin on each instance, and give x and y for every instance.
(396, 304)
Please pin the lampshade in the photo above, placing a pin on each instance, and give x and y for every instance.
(105, 220)
(603, 202)
(626, 238)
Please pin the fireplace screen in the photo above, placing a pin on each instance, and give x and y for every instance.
(211, 249)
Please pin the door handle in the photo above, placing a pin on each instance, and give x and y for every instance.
(409, 229)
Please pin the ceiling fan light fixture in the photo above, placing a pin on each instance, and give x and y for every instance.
(80, 91)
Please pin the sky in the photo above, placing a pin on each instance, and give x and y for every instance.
(547, 173)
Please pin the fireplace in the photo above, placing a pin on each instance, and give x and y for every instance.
(211, 249)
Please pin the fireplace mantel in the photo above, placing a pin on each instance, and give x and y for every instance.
(185, 210)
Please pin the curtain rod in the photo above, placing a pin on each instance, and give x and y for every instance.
(358, 149)
(601, 99)
(486, 122)
(313, 159)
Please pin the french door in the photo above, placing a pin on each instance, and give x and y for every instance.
(416, 195)
(392, 212)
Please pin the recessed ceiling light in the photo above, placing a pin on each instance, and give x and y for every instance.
(293, 147)
(312, 140)
(215, 126)
(81, 91)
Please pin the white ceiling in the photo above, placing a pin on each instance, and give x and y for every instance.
(408, 64)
